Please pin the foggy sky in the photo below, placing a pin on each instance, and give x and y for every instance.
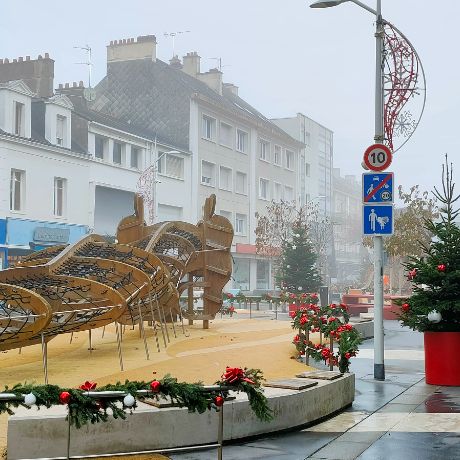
(284, 56)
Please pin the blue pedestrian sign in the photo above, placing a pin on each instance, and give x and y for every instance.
(378, 187)
(378, 219)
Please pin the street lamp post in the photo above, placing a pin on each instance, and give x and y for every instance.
(379, 365)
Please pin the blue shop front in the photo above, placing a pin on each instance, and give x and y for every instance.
(24, 236)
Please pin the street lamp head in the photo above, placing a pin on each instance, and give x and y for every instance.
(327, 3)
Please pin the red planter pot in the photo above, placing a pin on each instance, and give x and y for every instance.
(442, 362)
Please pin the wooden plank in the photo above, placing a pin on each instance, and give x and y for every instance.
(291, 384)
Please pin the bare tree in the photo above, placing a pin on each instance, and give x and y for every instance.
(274, 229)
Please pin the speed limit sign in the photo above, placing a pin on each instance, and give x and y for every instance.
(377, 157)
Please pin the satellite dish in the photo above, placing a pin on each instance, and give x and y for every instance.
(89, 94)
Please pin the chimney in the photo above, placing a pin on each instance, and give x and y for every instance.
(175, 63)
(191, 64)
(213, 78)
(37, 74)
(231, 88)
(128, 49)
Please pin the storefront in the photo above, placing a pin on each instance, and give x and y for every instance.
(23, 236)
(3, 248)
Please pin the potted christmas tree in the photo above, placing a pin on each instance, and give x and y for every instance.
(434, 307)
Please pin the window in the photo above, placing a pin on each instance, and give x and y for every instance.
(289, 159)
(241, 141)
(263, 274)
(60, 130)
(240, 224)
(60, 186)
(171, 165)
(17, 191)
(241, 183)
(263, 189)
(288, 193)
(208, 174)
(209, 128)
(277, 155)
(225, 180)
(241, 274)
(169, 213)
(99, 146)
(117, 148)
(264, 150)
(135, 157)
(19, 114)
(226, 135)
(307, 169)
(278, 195)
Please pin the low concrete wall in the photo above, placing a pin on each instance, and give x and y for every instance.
(38, 434)
(365, 328)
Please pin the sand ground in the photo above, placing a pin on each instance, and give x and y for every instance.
(197, 355)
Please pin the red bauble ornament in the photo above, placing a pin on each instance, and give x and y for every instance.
(347, 355)
(412, 274)
(219, 401)
(441, 268)
(65, 397)
(405, 307)
(155, 386)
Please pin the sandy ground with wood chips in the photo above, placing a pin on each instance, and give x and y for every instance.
(199, 355)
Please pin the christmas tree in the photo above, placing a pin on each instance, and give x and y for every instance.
(435, 303)
(297, 270)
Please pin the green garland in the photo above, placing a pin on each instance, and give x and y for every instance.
(83, 408)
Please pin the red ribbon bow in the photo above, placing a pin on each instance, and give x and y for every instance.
(88, 386)
(235, 375)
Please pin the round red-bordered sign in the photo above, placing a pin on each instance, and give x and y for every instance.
(377, 157)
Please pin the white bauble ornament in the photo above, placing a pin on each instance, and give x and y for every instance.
(297, 235)
(294, 247)
(129, 400)
(299, 288)
(434, 316)
(30, 399)
(288, 266)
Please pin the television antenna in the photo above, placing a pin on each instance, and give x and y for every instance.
(88, 62)
(173, 36)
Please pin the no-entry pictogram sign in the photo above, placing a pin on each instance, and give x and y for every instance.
(377, 157)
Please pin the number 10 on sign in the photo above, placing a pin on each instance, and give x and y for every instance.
(377, 157)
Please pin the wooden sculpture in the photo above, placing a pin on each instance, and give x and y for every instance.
(92, 283)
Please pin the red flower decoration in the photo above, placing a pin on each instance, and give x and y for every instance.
(65, 397)
(314, 296)
(231, 309)
(219, 401)
(441, 268)
(412, 274)
(344, 306)
(332, 318)
(347, 355)
(292, 314)
(235, 375)
(303, 320)
(88, 386)
(405, 307)
(155, 386)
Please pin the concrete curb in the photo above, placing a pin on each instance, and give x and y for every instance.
(36, 434)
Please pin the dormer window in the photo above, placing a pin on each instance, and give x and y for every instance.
(19, 113)
(61, 123)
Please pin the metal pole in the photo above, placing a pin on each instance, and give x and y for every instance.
(379, 366)
(45, 358)
(220, 433)
(90, 341)
(142, 331)
(68, 434)
(118, 331)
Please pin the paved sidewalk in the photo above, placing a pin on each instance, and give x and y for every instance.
(401, 418)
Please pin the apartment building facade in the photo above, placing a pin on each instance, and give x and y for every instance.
(65, 170)
(235, 152)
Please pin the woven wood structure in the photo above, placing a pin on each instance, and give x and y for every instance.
(92, 283)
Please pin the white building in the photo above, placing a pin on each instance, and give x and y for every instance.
(236, 152)
(316, 175)
(66, 170)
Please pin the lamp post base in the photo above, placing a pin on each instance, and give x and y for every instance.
(379, 371)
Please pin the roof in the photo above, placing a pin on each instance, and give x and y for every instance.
(156, 97)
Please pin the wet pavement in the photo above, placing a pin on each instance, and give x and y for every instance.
(400, 418)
